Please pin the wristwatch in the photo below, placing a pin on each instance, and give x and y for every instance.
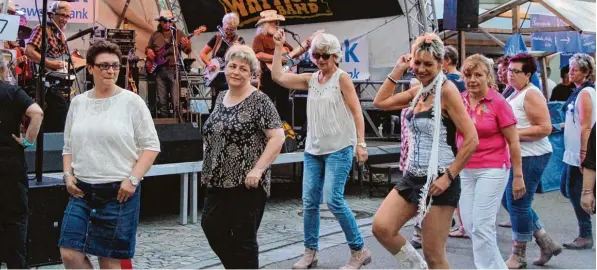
(66, 175)
(134, 180)
(362, 144)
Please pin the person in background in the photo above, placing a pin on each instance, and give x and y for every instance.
(243, 136)
(588, 184)
(218, 46)
(534, 125)
(502, 72)
(449, 68)
(580, 117)
(13, 169)
(431, 186)
(563, 90)
(335, 135)
(550, 83)
(485, 176)
(110, 142)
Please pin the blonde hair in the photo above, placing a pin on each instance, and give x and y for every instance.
(231, 19)
(243, 53)
(327, 44)
(479, 61)
(585, 63)
(431, 43)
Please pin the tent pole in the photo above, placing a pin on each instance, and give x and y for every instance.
(41, 92)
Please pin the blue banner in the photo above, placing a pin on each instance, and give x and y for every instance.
(514, 46)
(543, 41)
(588, 43)
(566, 41)
(564, 57)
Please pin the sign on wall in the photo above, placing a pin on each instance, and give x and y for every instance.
(355, 57)
(566, 41)
(82, 11)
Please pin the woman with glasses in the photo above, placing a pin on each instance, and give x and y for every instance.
(110, 142)
(218, 45)
(534, 125)
(336, 131)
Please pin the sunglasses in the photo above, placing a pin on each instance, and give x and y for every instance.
(106, 66)
(325, 56)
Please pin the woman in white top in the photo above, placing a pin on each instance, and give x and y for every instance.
(534, 125)
(580, 117)
(110, 142)
(336, 127)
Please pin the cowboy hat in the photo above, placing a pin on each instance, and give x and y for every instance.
(165, 15)
(269, 16)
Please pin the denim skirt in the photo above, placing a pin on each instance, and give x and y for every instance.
(98, 224)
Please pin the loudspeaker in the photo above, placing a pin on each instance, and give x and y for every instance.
(461, 14)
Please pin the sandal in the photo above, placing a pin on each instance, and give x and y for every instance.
(458, 233)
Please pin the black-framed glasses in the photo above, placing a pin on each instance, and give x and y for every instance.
(515, 71)
(325, 56)
(64, 16)
(106, 66)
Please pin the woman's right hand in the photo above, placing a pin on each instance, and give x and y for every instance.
(404, 62)
(518, 187)
(588, 202)
(280, 38)
(72, 189)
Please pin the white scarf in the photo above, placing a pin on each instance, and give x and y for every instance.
(432, 171)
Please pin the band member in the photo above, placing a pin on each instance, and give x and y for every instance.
(264, 47)
(110, 142)
(56, 102)
(218, 46)
(160, 45)
(13, 169)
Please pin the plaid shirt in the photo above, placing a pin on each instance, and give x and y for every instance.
(56, 41)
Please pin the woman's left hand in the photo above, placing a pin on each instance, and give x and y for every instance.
(440, 185)
(253, 178)
(362, 155)
(127, 189)
(588, 203)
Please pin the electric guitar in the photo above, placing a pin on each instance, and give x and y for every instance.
(151, 65)
(290, 63)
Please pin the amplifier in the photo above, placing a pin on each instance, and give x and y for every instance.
(125, 34)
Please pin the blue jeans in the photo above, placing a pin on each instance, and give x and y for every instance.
(328, 173)
(571, 187)
(524, 219)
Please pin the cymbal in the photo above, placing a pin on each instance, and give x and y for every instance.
(82, 33)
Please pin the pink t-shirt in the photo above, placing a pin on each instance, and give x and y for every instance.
(490, 115)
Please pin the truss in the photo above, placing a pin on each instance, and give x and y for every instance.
(174, 6)
(421, 18)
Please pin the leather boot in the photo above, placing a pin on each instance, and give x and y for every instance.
(518, 259)
(580, 243)
(358, 259)
(548, 248)
(309, 260)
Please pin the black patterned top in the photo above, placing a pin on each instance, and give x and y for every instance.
(234, 139)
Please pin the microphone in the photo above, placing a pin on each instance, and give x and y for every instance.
(289, 32)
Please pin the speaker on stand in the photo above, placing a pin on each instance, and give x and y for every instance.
(461, 15)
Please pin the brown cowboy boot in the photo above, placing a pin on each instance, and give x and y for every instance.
(358, 258)
(517, 259)
(580, 243)
(548, 247)
(309, 260)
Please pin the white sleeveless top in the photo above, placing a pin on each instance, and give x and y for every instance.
(527, 148)
(330, 124)
(572, 129)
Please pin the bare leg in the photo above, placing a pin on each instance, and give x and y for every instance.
(435, 229)
(74, 259)
(393, 213)
(109, 263)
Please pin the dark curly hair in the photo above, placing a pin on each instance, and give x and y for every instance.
(528, 62)
(102, 46)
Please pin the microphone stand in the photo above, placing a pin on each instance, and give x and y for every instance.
(176, 95)
(39, 150)
(180, 61)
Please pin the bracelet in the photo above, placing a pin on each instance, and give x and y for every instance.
(27, 144)
(392, 79)
(450, 176)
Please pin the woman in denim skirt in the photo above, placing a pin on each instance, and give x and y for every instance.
(336, 131)
(110, 142)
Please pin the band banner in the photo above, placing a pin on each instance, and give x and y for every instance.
(82, 11)
(210, 12)
(355, 58)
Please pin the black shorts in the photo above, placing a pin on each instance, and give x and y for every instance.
(409, 188)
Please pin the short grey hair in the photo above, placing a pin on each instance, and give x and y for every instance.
(243, 53)
(231, 18)
(60, 6)
(431, 43)
(584, 62)
(3, 68)
(328, 44)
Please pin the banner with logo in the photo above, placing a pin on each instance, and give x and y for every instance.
(355, 58)
(210, 12)
(82, 10)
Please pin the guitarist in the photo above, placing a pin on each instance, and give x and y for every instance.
(56, 102)
(166, 74)
(218, 46)
(264, 47)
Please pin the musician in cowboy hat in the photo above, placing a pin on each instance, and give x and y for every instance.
(264, 47)
(166, 73)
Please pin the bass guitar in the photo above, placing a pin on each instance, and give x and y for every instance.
(160, 59)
